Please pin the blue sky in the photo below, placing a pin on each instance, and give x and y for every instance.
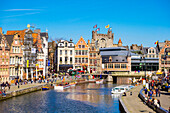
(135, 21)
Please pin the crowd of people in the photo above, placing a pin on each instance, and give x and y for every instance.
(4, 87)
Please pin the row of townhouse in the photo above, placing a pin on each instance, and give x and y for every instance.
(23, 54)
(101, 55)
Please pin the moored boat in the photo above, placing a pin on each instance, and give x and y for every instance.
(99, 81)
(121, 89)
(73, 83)
(45, 88)
(61, 86)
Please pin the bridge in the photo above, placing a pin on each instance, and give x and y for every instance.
(119, 77)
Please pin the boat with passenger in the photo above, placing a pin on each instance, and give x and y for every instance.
(121, 89)
(61, 86)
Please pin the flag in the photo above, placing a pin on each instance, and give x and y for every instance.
(100, 76)
(107, 26)
(27, 63)
(110, 28)
(156, 42)
(98, 29)
(95, 26)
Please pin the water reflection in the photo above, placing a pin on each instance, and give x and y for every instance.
(89, 98)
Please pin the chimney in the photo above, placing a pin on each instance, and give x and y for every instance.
(0, 30)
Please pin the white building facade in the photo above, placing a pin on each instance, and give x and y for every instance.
(65, 53)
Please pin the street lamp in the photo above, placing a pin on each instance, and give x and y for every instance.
(143, 58)
(17, 67)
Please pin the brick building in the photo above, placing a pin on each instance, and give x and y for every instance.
(81, 55)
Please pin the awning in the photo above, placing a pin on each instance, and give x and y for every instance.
(158, 72)
(65, 66)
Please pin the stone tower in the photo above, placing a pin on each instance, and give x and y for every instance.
(103, 40)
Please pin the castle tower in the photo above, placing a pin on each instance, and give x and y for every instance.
(119, 42)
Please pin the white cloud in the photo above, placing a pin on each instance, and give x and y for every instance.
(21, 9)
(23, 14)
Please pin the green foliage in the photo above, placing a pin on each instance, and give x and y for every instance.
(137, 52)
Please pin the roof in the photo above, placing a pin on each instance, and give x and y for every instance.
(9, 39)
(44, 34)
(112, 48)
(145, 50)
(119, 40)
(120, 59)
(21, 33)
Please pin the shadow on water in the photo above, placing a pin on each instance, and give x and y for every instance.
(89, 98)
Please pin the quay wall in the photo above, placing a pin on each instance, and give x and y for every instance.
(122, 107)
(21, 92)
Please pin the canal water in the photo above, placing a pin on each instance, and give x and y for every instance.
(86, 98)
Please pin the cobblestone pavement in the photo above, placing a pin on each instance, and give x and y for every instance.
(134, 103)
(164, 99)
(15, 88)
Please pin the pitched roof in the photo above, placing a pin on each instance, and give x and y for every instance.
(44, 34)
(120, 41)
(21, 33)
(9, 39)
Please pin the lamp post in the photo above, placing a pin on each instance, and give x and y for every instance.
(143, 58)
(17, 66)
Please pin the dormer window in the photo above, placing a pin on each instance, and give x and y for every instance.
(65, 44)
(110, 59)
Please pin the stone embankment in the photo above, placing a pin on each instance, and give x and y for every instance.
(14, 91)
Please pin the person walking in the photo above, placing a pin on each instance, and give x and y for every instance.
(156, 91)
(159, 92)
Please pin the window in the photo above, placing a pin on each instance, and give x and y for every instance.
(65, 59)
(90, 54)
(70, 52)
(79, 60)
(65, 44)
(60, 52)
(110, 65)
(82, 52)
(79, 46)
(71, 59)
(15, 41)
(90, 61)
(76, 52)
(85, 52)
(79, 52)
(75, 60)
(117, 65)
(149, 51)
(60, 59)
(81, 42)
(105, 66)
(153, 51)
(123, 65)
(94, 54)
(82, 60)
(10, 60)
(13, 50)
(65, 52)
(92, 48)
(86, 60)
(83, 46)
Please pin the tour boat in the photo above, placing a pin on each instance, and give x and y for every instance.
(73, 84)
(61, 87)
(45, 88)
(99, 81)
(119, 89)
